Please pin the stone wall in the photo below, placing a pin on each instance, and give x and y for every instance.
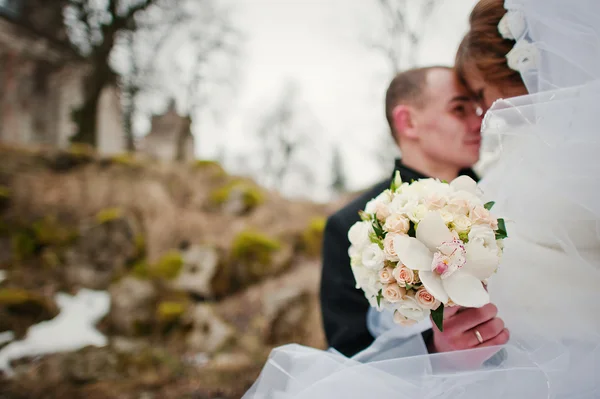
(41, 82)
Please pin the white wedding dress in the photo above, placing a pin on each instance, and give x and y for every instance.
(547, 185)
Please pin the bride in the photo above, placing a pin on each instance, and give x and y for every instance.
(543, 57)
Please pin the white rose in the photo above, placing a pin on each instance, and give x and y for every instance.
(385, 197)
(402, 204)
(447, 216)
(461, 223)
(410, 308)
(371, 206)
(512, 25)
(483, 234)
(418, 213)
(397, 223)
(388, 247)
(359, 234)
(523, 57)
(373, 257)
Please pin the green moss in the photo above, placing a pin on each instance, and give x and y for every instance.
(208, 164)
(254, 246)
(125, 159)
(108, 215)
(4, 193)
(141, 269)
(80, 150)
(23, 244)
(50, 259)
(170, 311)
(251, 194)
(312, 237)
(168, 266)
(15, 296)
(140, 245)
(48, 231)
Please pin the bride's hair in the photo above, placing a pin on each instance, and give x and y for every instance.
(484, 48)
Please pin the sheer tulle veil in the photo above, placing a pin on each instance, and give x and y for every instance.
(547, 185)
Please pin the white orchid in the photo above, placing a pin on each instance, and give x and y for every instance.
(448, 268)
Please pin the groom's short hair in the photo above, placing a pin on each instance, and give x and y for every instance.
(408, 88)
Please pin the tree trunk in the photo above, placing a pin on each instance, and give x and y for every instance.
(86, 116)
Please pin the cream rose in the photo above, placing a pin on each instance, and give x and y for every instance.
(386, 275)
(403, 275)
(388, 247)
(461, 223)
(393, 293)
(410, 308)
(382, 211)
(435, 201)
(399, 318)
(426, 300)
(396, 223)
(480, 215)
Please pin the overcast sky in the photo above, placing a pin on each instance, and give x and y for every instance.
(317, 43)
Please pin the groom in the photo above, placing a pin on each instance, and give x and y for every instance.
(434, 121)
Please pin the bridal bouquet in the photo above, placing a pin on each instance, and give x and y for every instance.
(424, 246)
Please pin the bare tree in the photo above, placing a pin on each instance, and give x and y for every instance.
(93, 28)
(339, 183)
(286, 133)
(397, 42)
(403, 24)
(155, 67)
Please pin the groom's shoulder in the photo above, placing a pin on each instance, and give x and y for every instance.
(348, 215)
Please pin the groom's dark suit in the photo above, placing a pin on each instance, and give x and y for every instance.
(344, 307)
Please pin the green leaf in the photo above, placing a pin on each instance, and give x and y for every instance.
(412, 230)
(378, 228)
(445, 181)
(396, 182)
(438, 317)
(409, 286)
(375, 240)
(501, 233)
(489, 205)
(379, 297)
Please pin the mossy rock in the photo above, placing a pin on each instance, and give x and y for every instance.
(213, 166)
(49, 231)
(83, 151)
(312, 236)
(108, 215)
(246, 192)
(65, 160)
(254, 252)
(4, 197)
(125, 159)
(170, 311)
(168, 266)
(23, 244)
(20, 309)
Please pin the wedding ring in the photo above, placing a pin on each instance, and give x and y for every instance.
(478, 336)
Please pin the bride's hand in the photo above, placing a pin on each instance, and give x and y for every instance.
(466, 328)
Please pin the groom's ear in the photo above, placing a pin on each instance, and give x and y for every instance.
(404, 124)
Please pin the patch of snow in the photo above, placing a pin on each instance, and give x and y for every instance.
(73, 329)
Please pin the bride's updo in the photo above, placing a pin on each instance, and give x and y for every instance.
(484, 49)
